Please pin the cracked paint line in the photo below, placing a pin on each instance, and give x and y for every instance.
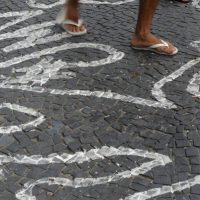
(17, 128)
(80, 157)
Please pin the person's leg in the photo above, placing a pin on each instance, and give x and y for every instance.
(142, 36)
(72, 13)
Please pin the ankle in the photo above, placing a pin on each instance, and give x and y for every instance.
(142, 35)
(72, 3)
(72, 17)
(72, 12)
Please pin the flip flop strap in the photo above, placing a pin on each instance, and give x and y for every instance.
(162, 44)
(70, 22)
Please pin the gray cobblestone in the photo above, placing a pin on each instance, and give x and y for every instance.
(81, 123)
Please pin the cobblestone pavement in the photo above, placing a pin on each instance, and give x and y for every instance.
(88, 118)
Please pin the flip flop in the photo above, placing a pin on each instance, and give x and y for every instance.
(70, 22)
(154, 48)
(63, 22)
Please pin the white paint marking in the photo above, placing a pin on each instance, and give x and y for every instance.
(21, 16)
(86, 93)
(34, 4)
(94, 154)
(80, 157)
(34, 36)
(2, 175)
(177, 187)
(86, 156)
(157, 89)
(194, 83)
(50, 72)
(25, 31)
(196, 44)
(196, 3)
(193, 87)
(15, 128)
(114, 55)
(36, 75)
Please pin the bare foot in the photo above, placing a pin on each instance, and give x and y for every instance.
(149, 40)
(72, 13)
